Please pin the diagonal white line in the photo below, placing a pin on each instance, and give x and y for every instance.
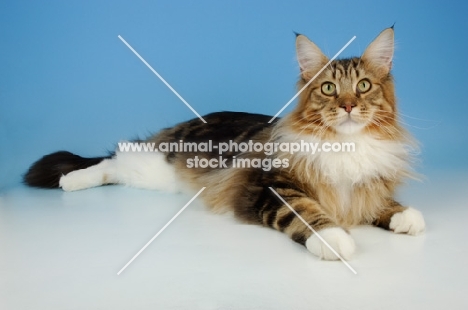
(162, 79)
(313, 230)
(160, 231)
(315, 76)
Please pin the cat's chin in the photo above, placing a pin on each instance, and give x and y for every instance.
(349, 127)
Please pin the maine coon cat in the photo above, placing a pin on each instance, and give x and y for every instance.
(352, 100)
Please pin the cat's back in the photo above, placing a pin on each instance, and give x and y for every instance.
(219, 127)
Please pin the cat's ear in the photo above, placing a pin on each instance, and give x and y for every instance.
(380, 52)
(310, 57)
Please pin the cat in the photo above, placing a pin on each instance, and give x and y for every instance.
(352, 100)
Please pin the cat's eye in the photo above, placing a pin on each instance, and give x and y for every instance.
(363, 86)
(329, 89)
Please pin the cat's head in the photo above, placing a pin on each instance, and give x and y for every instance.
(350, 95)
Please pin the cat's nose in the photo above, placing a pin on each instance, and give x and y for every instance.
(348, 106)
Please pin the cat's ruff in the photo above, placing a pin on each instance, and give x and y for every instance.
(372, 158)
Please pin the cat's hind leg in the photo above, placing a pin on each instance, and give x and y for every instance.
(137, 169)
(97, 175)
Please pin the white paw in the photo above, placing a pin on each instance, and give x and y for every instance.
(75, 181)
(337, 238)
(409, 221)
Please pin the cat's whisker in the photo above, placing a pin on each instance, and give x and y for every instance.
(384, 128)
(414, 126)
(307, 127)
(437, 123)
(387, 127)
(421, 119)
(300, 120)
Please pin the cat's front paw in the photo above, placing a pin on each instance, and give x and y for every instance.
(337, 238)
(409, 222)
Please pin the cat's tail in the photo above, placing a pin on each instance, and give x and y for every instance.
(47, 171)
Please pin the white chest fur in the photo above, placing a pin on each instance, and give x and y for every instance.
(350, 160)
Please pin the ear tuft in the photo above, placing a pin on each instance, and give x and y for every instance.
(380, 52)
(309, 56)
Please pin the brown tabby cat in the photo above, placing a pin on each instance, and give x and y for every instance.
(351, 101)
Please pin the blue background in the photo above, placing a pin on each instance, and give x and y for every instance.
(67, 81)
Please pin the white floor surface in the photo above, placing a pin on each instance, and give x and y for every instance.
(63, 251)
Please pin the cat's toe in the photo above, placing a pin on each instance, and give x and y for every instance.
(337, 238)
(409, 222)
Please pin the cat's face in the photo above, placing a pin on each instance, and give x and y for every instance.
(350, 95)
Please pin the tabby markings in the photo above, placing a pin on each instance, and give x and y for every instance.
(312, 79)
(313, 230)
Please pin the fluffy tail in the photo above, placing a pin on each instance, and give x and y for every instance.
(47, 171)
